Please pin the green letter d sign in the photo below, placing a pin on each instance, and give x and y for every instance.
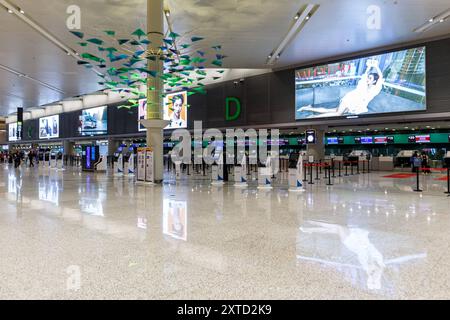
(237, 113)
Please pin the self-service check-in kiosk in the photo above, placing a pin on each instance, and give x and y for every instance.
(296, 173)
(240, 173)
(53, 160)
(265, 174)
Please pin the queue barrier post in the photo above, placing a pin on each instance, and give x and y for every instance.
(448, 181)
(310, 174)
(418, 180)
(340, 169)
(305, 168)
(329, 176)
(333, 164)
(317, 173)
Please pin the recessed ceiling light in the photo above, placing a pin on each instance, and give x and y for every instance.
(21, 11)
(296, 16)
(308, 17)
(10, 11)
(406, 127)
(431, 20)
(442, 20)
(167, 13)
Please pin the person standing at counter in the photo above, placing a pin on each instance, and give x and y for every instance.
(425, 163)
(416, 162)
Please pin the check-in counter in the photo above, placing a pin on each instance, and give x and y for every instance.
(383, 163)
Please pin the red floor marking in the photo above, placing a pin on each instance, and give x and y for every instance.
(401, 175)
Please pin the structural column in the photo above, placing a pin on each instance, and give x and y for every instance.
(68, 148)
(155, 87)
(318, 149)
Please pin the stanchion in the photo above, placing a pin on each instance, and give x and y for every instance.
(364, 166)
(340, 169)
(448, 182)
(333, 164)
(352, 166)
(320, 166)
(418, 181)
(329, 176)
(368, 166)
(310, 174)
(357, 167)
(325, 171)
(304, 173)
(317, 173)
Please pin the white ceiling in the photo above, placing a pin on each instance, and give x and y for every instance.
(248, 30)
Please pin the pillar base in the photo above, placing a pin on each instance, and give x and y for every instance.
(155, 140)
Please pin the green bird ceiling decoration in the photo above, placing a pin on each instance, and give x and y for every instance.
(127, 61)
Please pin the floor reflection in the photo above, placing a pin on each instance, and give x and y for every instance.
(317, 243)
(175, 219)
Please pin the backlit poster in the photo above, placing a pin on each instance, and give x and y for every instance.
(142, 113)
(49, 127)
(12, 132)
(175, 110)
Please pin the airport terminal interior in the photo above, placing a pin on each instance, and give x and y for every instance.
(221, 149)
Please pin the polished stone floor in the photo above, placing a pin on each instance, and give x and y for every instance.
(72, 235)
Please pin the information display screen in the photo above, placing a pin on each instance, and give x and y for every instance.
(385, 83)
(333, 140)
(423, 139)
(366, 140)
(381, 140)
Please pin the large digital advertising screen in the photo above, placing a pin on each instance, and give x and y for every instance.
(93, 122)
(385, 83)
(49, 127)
(12, 132)
(175, 110)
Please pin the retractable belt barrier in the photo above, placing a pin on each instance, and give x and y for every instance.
(427, 169)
